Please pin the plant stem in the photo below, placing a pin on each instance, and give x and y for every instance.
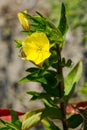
(61, 90)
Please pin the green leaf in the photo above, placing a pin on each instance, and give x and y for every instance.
(74, 121)
(41, 96)
(33, 77)
(36, 75)
(31, 121)
(73, 77)
(49, 124)
(67, 97)
(51, 112)
(68, 63)
(37, 95)
(52, 80)
(63, 21)
(18, 124)
(28, 32)
(15, 119)
(84, 116)
(9, 125)
(33, 69)
(30, 113)
(18, 43)
(36, 19)
(5, 128)
(14, 115)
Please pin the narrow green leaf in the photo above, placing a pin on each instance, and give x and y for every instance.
(47, 102)
(33, 77)
(36, 95)
(14, 115)
(9, 125)
(73, 77)
(28, 32)
(30, 113)
(33, 69)
(63, 21)
(74, 121)
(31, 121)
(49, 124)
(5, 128)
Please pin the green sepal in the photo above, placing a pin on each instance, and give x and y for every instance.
(43, 24)
(73, 77)
(18, 43)
(63, 21)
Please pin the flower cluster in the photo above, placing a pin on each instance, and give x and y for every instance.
(36, 46)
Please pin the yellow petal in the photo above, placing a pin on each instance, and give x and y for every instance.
(36, 47)
(24, 22)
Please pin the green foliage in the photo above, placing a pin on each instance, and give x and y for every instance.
(84, 88)
(73, 77)
(15, 124)
(32, 121)
(63, 21)
(49, 125)
(51, 112)
(75, 120)
(84, 116)
(41, 23)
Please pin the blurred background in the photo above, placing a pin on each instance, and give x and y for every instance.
(12, 67)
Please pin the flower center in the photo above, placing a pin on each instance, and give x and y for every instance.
(39, 48)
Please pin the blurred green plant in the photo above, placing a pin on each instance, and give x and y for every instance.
(43, 47)
(84, 88)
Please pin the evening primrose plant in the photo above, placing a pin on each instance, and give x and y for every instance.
(42, 45)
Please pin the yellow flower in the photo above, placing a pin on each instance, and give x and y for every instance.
(36, 47)
(24, 22)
